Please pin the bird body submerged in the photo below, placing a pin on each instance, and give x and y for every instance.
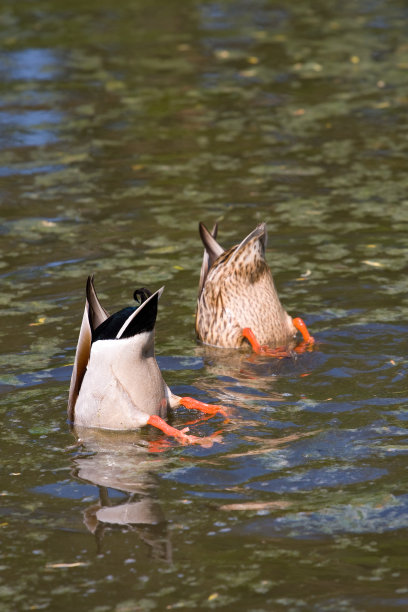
(123, 385)
(116, 382)
(237, 294)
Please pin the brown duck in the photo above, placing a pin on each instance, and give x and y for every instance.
(237, 299)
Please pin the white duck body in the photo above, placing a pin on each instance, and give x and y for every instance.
(122, 385)
(116, 382)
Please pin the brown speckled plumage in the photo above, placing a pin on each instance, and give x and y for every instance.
(237, 291)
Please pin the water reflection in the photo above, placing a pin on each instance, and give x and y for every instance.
(120, 466)
(149, 117)
(378, 514)
(243, 376)
(29, 65)
(29, 128)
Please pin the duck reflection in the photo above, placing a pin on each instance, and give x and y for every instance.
(122, 468)
(241, 376)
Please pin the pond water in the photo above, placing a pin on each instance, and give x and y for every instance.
(122, 126)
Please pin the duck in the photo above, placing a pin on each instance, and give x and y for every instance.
(237, 300)
(116, 383)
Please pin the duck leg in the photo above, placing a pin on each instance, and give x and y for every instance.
(158, 422)
(279, 352)
(307, 341)
(193, 404)
(301, 326)
(161, 424)
(173, 401)
(158, 446)
(263, 349)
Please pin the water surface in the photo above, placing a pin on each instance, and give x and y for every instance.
(121, 126)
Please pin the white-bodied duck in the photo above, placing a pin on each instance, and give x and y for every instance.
(116, 382)
(237, 299)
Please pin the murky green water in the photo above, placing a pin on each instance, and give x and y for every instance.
(121, 126)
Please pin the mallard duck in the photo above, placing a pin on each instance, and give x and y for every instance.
(237, 300)
(116, 382)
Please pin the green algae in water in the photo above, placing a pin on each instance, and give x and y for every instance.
(154, 117)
